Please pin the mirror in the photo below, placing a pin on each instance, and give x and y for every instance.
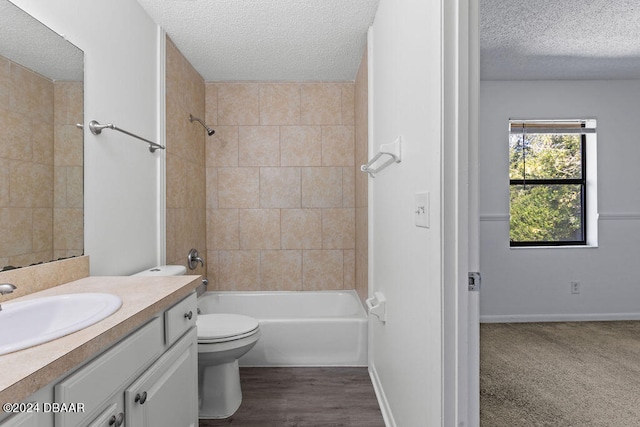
(41, 148)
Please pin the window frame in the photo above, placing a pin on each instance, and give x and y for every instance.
(582, 182)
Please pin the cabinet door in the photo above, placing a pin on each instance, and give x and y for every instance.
(28, 420)
(167, 393)
(113, 416)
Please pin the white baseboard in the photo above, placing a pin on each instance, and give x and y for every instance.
(586, 317)
(382, 399)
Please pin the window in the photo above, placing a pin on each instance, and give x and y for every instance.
(548, 182)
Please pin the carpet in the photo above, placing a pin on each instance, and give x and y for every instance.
(560, 374)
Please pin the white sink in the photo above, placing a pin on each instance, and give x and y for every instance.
(36, 321)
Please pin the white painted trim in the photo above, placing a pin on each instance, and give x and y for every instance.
(584, 317)
(161, 251)
(606, 216)
(494, 217)
(620, 216)
(382, 399)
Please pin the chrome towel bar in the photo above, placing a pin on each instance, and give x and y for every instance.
(96, 129)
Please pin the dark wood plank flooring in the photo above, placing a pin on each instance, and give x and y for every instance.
(305, 397)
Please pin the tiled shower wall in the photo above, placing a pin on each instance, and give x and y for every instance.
(281, 186)
(362, 179)
(285, 200)
(185, 157)
(38, 119)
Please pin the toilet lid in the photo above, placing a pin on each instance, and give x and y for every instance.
(223, 325)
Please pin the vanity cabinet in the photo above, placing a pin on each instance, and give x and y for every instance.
(148, 378)
(166, 394)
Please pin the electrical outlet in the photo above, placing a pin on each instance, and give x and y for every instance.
(575, 287)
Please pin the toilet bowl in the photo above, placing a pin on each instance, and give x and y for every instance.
(222, 339)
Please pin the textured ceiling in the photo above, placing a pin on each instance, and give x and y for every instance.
(268, 40)
(29, 43)
(559, 39)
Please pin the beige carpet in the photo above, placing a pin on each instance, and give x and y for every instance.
(560, 374)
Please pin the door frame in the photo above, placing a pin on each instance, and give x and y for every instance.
(460, 241)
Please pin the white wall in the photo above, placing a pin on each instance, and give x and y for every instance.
(405, 261)
(533, 283)
(121, 183)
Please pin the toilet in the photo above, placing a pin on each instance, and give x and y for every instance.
(222, 339)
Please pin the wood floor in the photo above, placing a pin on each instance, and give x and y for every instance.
(305, 397)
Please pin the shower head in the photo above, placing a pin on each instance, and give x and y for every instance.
(209, 130)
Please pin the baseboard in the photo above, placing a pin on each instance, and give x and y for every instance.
(382, 399)
(586, 317)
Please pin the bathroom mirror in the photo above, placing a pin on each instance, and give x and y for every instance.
(41, 148)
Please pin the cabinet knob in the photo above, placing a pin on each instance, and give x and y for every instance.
(116, 420)
(141, 398)
(188, 315)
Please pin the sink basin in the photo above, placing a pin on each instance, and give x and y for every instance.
(36, 321)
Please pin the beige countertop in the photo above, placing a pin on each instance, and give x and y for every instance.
(26, 371)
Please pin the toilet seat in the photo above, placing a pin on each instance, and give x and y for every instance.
(222, 327)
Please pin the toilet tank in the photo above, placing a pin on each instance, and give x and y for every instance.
(164, 270)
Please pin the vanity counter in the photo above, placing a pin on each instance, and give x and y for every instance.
(26, 371)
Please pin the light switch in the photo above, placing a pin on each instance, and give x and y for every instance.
(422, 210)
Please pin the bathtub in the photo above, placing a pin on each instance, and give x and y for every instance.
(324, 328)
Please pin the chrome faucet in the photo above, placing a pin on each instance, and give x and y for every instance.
(193, 259)
(6, 288)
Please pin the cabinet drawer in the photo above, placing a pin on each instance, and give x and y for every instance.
(95, 383)
(179, 318)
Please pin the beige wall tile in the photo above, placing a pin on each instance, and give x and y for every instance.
(42, 142)
(222, 147)
(361, 111)
(223, 229)
(349, 272)
(31, 185)
(337, 146)
(5, 172)
(186, 179)
(321, 187)
(67, 228)
(211, 104)
(283, 153)
(259, 146)
(321, 104)
(279, 104)
(176, 181)
(280, 187)
(212, 270)
(301, 229)
(238, 104)
(212, 188)
(348, 186)
(338, 228)
(260, 229)
(238, 187)
(15, 139)
(300, 146)
(322, 270)
(68, 146)
(16, 229)
(281, 270)
(239, 271)
(348, 103)
(43, 230)
(5, 80)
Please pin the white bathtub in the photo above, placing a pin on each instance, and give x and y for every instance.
(324, 328)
